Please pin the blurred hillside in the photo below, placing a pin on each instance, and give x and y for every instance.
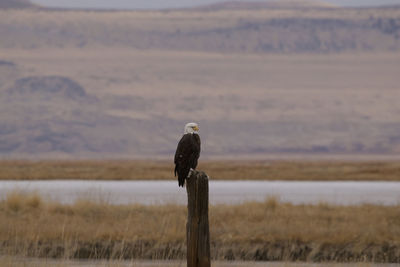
(225, 28)
(7, 4)
(259, 79)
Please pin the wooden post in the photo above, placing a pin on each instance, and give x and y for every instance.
(197, 228)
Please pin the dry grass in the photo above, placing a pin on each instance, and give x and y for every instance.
(217, 170)
(29, 262)
(325, 224)
(99, 230)
(21, 262)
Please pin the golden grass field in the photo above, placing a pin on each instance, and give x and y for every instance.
(32, 227)
(217, 170)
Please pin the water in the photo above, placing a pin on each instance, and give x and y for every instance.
(221, 192)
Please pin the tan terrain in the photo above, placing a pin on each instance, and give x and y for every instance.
(311, 80)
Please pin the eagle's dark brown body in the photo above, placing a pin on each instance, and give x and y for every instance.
(186, 156)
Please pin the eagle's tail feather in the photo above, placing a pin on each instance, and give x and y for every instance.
(181, 180)
(182, 175)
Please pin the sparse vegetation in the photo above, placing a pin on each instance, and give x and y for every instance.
(29, 262)
(253, 231)
(218, 170)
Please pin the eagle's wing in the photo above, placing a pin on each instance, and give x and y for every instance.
(186, 156)
(182, 153)
(196, 143)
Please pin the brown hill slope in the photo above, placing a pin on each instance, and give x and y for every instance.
(113, 103)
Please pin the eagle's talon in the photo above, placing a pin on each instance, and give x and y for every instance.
(190, 172)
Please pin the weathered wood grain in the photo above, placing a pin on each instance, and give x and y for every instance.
(197, 228)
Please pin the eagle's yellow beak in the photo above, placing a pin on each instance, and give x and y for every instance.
(195, 128)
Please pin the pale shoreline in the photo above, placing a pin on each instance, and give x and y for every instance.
(226, 192)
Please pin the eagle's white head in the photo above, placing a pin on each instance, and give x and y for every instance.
(191, 127)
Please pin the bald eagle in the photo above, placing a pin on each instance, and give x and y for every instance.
(187, 153)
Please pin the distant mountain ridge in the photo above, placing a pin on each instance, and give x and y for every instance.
(275, 4)
(18, 4)
(230, 27)
(47, 86)
(6, 4)
(226, 5)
